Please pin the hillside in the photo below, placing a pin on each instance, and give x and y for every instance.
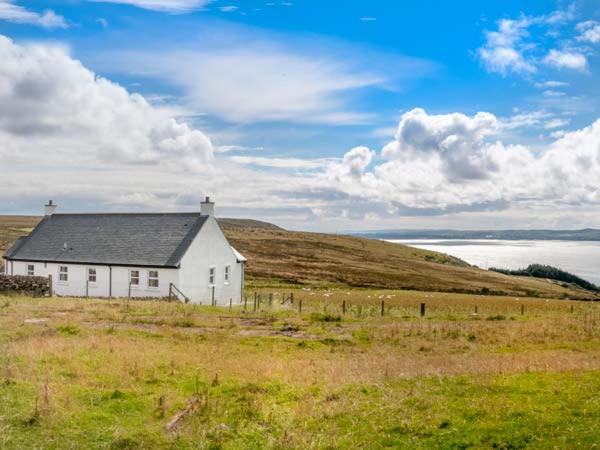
(317, 258)
(278, 256)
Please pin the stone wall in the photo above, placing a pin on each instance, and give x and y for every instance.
(36, 286)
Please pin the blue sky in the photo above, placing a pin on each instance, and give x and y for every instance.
(348, 115)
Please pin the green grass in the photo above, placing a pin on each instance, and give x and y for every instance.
(112, 373)
(534, 410)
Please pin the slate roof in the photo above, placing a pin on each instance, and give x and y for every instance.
(149, 240)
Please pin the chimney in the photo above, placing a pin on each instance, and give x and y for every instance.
(207, 208)
(49, 208)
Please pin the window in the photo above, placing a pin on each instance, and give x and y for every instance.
(153, 278)
(227, 271)
(211, 275)
(92, 275)
(63, 273)
(134, 277)
(30, 270)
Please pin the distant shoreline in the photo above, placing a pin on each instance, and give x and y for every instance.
(507, 235)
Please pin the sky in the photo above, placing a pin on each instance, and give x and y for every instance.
(326, 116)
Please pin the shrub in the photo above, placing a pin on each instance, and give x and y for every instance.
(320, 317)
(496, 317)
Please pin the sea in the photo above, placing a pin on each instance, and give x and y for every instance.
(581, 258)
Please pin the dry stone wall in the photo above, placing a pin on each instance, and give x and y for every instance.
(36, 286)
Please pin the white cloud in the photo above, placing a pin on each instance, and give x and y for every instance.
(556, 123)
(503, 51)
(451, 141)
(525, 120)
(11, 12)
(53, 108)
(281, 163)
(355, 162)
(368, 19)
(168, 6)
(551, 84)
(229, 8)
(589, 31)
(553, 93)
(516, 48)
(247, 76)
(445, 163)
(566, 60)
(558, 134)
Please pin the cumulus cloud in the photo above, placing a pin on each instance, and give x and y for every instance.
(168, 6)
(12, 12)
(50, 101)
(566, 60)
(449, 163)
(355, 162)
(451, 141)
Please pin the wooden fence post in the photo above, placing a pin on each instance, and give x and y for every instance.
(50, 287)
(522, 309)
(344, 307)
(245, 302)
(571, 309)
(270, 298)
(292, 298)
(300, 306)
(422, 309)
(230, 303)
(382, 308)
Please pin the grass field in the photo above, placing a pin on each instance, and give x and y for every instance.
(79, 373)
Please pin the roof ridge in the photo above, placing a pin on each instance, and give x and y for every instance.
(128, 214)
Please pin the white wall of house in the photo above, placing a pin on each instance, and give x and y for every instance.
(77, 284)
(210, 249)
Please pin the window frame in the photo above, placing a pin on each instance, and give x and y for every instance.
(153, 278)
(31, 270)
(62, 272)
(138, 277)
(227, 274)
(212, 275)
(90, 282)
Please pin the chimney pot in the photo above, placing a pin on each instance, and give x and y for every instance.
(49, 208)
(207, 208)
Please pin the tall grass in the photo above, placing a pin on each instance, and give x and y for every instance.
(112, 373)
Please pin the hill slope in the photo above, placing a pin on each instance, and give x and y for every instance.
(316, 258)
(276, 255)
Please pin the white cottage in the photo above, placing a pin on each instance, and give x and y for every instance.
(182, 255)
